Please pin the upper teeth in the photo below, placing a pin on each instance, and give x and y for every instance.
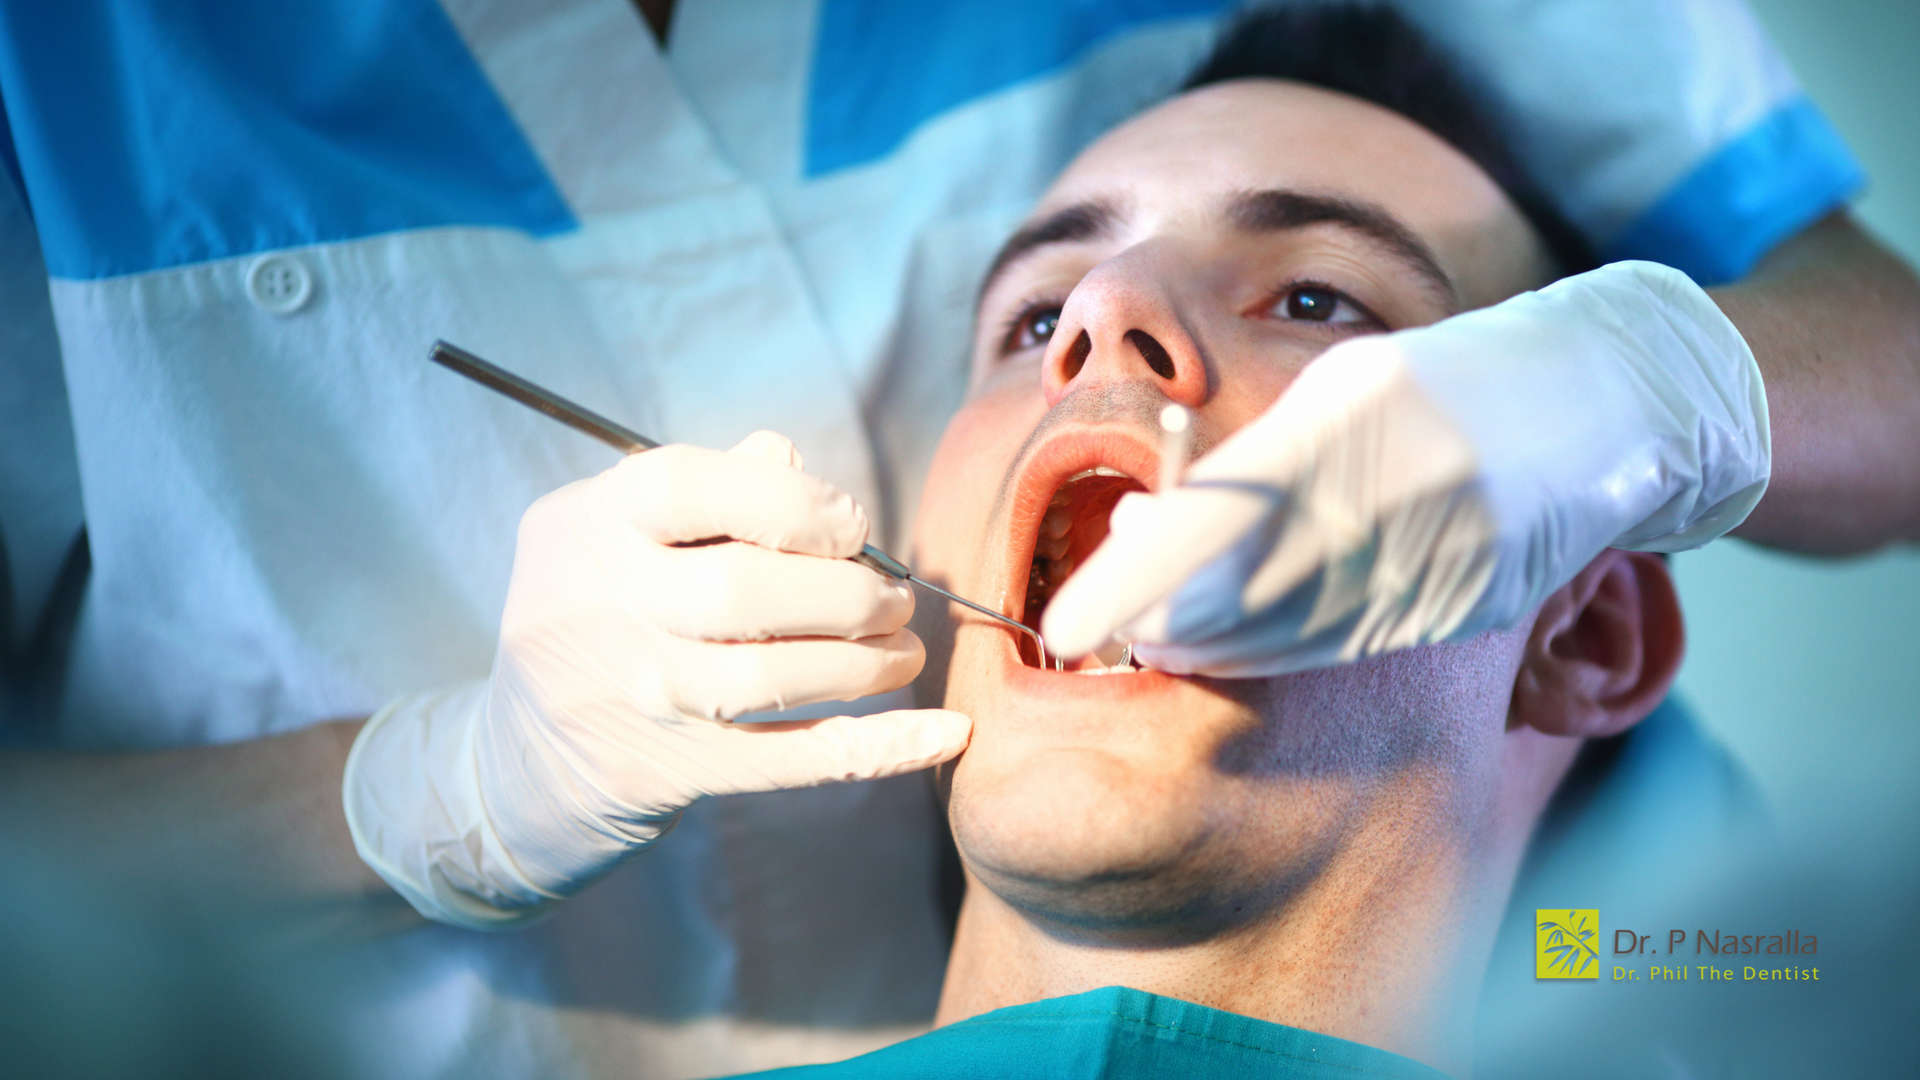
(1057, 523)
(1060, 495)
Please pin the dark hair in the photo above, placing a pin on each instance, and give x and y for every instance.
(1372, 53)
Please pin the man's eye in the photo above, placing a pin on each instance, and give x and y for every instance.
(1032, 328)
(1322, 304)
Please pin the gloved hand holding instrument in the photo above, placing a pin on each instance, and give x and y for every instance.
(649, 606)
(1436, 482)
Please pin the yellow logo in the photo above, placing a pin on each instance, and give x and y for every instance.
(1566, 943)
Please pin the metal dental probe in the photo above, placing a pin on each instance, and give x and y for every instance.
(629, 441)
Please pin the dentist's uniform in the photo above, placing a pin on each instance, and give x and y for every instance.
(229, 231)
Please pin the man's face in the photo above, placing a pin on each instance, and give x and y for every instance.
(1201, 254)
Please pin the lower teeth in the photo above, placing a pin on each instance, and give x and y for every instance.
(1126, 665)
(1121, 669)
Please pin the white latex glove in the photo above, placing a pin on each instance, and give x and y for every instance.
(1436, 482)
(622, 658)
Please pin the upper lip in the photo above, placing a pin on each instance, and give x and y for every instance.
(1047, 466)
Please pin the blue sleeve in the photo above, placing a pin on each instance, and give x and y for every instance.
(1786, 172)
(1674, 132)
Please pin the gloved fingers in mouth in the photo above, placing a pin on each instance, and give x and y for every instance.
(1156, 543)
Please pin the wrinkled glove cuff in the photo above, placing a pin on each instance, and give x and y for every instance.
(420, 814)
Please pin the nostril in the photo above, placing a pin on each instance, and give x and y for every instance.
(1151, 351)
(1077, 354)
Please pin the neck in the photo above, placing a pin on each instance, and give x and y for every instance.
(1384, 944)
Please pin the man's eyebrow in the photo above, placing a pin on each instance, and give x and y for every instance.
(1082, 221)
(1276, 211)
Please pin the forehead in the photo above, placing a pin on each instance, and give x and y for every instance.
(1182, 163)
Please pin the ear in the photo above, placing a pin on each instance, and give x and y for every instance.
(1603, 650)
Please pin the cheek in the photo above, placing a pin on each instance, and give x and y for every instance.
(1252, 362)
(1436, 706)
(1259, 384)
(967, 471)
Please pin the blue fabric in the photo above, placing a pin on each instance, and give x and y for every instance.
(882, 67)
(1756, 191)
(8, 159)
(153, 135)
(1116, 1033)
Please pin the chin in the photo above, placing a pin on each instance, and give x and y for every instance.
(1081, 841)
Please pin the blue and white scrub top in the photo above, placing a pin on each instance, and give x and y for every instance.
(230, 230)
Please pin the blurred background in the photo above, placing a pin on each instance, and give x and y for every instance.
(1810, 669)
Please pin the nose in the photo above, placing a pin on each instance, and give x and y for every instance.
(1123, 321)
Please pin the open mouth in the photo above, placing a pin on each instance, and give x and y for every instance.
(1073, 524)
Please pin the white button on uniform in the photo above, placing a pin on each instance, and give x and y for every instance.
(279, 283)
